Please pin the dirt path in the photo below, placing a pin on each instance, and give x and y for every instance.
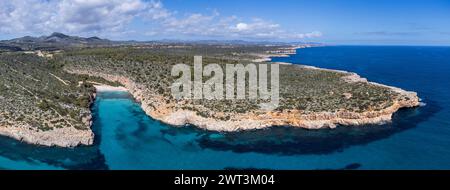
(64, 82)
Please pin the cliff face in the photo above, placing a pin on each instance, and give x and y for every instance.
(62, 137)
(158, 108)
(41, 104)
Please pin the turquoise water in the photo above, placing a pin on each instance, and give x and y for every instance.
(417, 138)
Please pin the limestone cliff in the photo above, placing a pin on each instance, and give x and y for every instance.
(158, 108)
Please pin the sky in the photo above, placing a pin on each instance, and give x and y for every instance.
(342, 22)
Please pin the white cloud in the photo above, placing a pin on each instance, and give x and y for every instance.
(113, 18)
(95, 16)
(242, 26)
(74, 16)
(19, 16)
(314, 34)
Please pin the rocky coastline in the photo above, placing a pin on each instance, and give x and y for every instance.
(156, 107)
(282, 52)
(66, 137)
(60, 137)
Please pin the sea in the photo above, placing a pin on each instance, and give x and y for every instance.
(417, 138)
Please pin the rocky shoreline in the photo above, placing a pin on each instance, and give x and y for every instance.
(66, 137)
(285, 52)
(156, 107)
(162, 108)
(60, 137)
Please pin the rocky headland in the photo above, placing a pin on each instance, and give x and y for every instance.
(157, 107)
(59, 115)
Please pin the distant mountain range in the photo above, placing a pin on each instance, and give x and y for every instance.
(54, 41)
(57, 41)
(58, 38)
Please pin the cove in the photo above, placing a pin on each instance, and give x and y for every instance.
(126, 138)
(129, 139)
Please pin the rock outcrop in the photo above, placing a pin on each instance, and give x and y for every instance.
(61, 137)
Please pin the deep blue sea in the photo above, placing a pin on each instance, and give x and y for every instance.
(416, 139)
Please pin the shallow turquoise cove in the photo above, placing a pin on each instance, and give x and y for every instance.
(417, 138)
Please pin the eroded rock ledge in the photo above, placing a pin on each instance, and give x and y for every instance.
(67, 137)
(61, 137)
(156, 107)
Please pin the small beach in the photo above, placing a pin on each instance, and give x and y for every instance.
(107, 88)
(126, 138)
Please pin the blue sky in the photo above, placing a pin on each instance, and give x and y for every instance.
(361, 22)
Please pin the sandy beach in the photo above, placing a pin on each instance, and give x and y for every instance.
(107, 88)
